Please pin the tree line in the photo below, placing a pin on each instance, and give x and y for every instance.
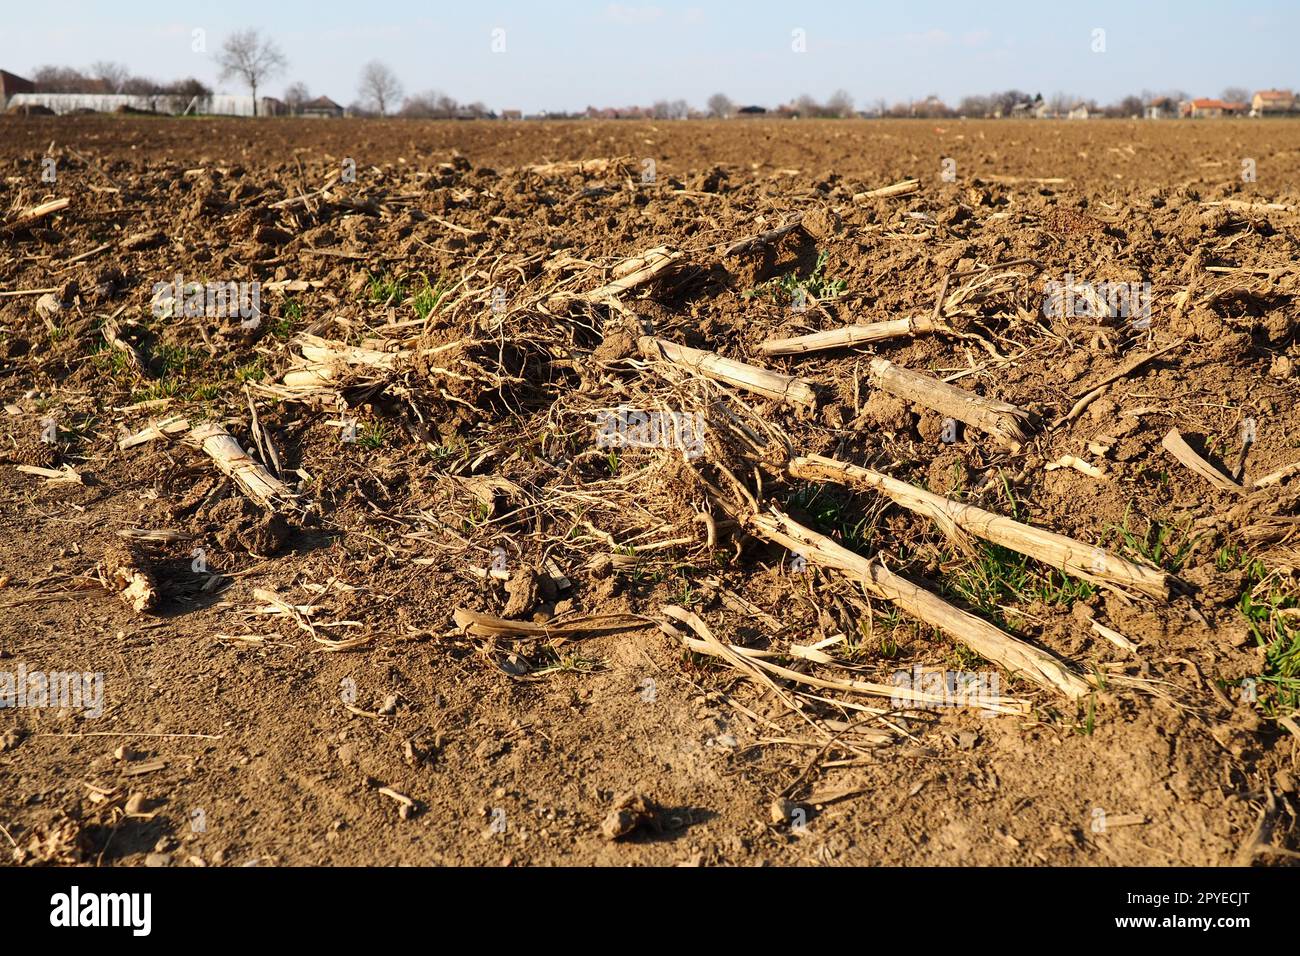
(254, 60)
(107, 77)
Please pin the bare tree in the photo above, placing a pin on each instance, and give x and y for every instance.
(1236, 94)
(806, 106)
(840, 104)
(720, 106)
(379, 87)
(248, 57)
(420, 105)
(1129, 106)
(114, 75)
(139, 86)
(295, 95)
(974, 106)
(59, 79)
(446, 106)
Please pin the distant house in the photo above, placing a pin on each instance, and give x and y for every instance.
(1272, 103)
(1161, 107)
(10, 84)
(1079, 111)
(512, 114)
(322, 107)
(1212, 109)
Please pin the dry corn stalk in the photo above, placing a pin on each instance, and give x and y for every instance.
(636, 271)
(849, 335)
(1272, 478)
(259, 484)
(325, 364)
(979, 635)
(774, 385)
(255, 481)
(175, 425)
(953, 517)
(749, 659)
(999, 419)
(902, 188)
(599, 165)
(29, 216)
(1174, 443)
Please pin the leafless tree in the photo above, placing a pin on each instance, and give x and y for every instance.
(114, 75)
(420, 105)
(248, 57)
(840, 104)
(447, 106)
(1127, 107)
(974, 106)
(139, 86)
(1236, 94)
(720, 106)
(806, 106)
(295, 95)
(59, 79)
(379, 87)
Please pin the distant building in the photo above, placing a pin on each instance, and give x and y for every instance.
(1079, 111)
(1030, 109)
(10, 84)
(1272, 103)
(322, 107)
(512, 114)
(1212, 109)
(1161, 107)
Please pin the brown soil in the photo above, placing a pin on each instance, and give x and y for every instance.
(232, 734)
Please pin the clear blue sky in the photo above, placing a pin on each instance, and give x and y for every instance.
(566, 54)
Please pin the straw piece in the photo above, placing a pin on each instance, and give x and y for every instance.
(765, 382)
(1063, 553)
(902, 188)
(636, 271)
(979, 635)
(749, 659)
(255, 481)
(1174, 443)
(999, 419)
(849, 335)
